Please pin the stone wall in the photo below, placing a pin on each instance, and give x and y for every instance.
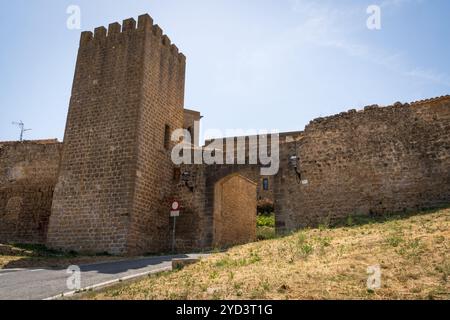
(28, 173)
(376, 161)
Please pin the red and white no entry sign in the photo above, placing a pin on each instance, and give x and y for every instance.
(175, 210)
(175, 205)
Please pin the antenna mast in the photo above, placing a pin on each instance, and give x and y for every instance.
(21, 125)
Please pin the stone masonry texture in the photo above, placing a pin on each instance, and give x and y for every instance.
(28, 173)
(380, 160)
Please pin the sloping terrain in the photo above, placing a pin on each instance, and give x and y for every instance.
(324, 263)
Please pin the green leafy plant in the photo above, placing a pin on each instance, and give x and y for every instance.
(266, 221)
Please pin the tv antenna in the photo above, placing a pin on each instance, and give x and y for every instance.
(21, 125)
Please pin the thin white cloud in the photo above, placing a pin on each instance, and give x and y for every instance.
(398, 3)
(429, 75)
(326, 26)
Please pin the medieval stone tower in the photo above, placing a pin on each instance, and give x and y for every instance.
(115, 175)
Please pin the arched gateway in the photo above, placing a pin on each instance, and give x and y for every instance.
(234, 211)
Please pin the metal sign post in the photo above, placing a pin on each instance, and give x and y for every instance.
(173, 235)
(174, 213)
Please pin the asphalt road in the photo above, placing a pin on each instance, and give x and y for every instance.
(38, 284)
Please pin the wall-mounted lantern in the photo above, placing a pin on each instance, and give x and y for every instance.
(294, 163)
(186, 177)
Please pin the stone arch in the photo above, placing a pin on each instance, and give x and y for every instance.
(234, 216)
(13, 209)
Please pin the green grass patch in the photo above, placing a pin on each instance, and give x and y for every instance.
(266, 221)
(265, 227)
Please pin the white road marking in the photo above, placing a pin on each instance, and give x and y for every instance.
(12, 270)
(108, 283)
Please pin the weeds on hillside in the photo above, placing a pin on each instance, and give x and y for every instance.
(324, 263)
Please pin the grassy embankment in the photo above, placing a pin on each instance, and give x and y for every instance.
(323, 263)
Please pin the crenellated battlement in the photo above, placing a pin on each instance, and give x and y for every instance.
(445, 98)
(377, 108)
(129, 26)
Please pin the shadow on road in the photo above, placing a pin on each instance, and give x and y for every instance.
(127, 265)
(22, 257)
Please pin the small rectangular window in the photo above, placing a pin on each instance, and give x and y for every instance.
(176, 174)
(167, 137)
(266, 184)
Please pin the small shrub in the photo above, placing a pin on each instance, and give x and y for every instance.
(266, 221)
(395, 240)
(254, 258)
(299, 248)
(349, 221)
(325, 223)
(411, 249)
(237, 285)
(265, 285)
(301, 238)
(306, 249)
(323, 242)
(224, 262)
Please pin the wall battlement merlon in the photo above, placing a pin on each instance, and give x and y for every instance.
(445, 98)
(378, 108)
(144, 24)
(31, 142)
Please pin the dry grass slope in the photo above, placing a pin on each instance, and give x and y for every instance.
(317, 264)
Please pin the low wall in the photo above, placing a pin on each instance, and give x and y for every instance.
(376, 161)
(28, 173)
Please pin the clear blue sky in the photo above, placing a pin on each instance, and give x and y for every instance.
(253, 64)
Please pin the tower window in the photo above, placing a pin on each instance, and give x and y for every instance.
(265, 184)
(167, 137)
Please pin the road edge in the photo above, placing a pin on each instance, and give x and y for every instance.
(106, 284)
